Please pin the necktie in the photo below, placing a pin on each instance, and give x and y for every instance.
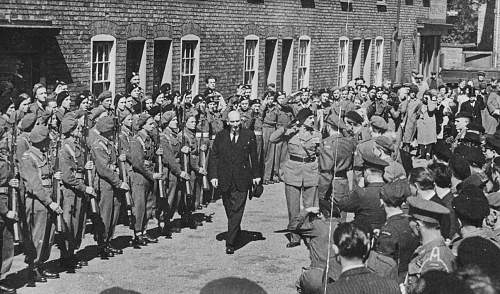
(233, 140)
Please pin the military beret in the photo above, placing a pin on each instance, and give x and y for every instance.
(471, 204)
(254, 101)
(167, 117)
(198, 98)
(105, 125)
(385, 143)
(370, 160)
(426, 210)
(379, 89)
(154, 110)
(442, 150)
(481, 73)
(303, 114)
(96, 112)
(27, 122)
(104, 95)
(39, 133)
(79, 99)
(60, 97)
(141, 120)
(354, 116)
(69, 122)
(118, 96)
(334, 120)
(165, 88)
(378, 122)
(413, 88)
(395, 193)
(464, 114)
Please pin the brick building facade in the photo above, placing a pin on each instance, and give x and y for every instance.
(318, 43)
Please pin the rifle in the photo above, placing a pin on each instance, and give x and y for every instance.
(203, 157)
(185, 160)
(129, 202)
(13, 191)
(57, 186)
(86, 157)
(160, 160)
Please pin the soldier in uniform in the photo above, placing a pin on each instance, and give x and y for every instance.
(432, 254)
(39, 107)
(365, 202)
(245, 112)
(214, 118)
(285, 116)
(395, 238)
(36, 173)
(335, 159)
(384, 149)
(269, 111)
(141, 156)
(301, 169)
(108, 185)
(256, 126)
(25, 127)
(73, 189)
(63, 100)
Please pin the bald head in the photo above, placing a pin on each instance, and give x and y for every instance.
(234, 120)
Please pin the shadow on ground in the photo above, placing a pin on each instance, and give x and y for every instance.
(244, 237)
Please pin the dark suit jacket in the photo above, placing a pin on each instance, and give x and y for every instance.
(230, 163)
(474, 110)
(362, 281)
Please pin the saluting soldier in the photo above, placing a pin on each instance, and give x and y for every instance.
(285, 116)
(269, 111)
(74, 189)
(108, 185)
(36, 172)
(301, 169)
(433, 254)
(142, 155)
(39, 107)
(395, 238)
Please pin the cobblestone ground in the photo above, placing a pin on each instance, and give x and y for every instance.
(192, 258)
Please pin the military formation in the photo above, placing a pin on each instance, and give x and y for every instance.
(408, 165)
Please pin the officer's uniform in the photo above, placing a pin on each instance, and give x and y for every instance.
(107, 181)
(246, 118)
(216, 124)
(142, 155)
(36, 173)
(171, 140)
(256, 126)
(71, 163)
(335, 159)
(269, 121)
(434, 255)
(285, 116)
(365, 202)
(300, 169)
(396, 238)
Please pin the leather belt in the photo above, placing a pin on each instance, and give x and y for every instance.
(4, 190)
(340, 175)
(205, 135)
(258, 133)
(302, 159)
(47, 182)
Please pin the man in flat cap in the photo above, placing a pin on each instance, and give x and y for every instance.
(109, 185)
(36, 173)
(74, 189)
(471, 208)
(365, 202)
(433, 254)
(396, 239)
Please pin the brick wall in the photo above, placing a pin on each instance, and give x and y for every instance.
(221, 27)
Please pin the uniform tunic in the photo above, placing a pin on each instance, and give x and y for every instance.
(269, 120)
(6, 233)
(189, 139)
(172, 141)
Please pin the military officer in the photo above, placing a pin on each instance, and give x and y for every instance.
(301, 168)
(269, 111)
(365, 202)
(74, 189)
(108, 185)
(142, 155)
(285, 116)
(36, 174)
(335, 159)
(433, 254)
(395, 238)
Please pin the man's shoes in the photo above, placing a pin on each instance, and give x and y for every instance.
(114, 251)
(293, 244)
(166, 232)
(104, 253)
(139, 240)
(229, 250)
(82, 263)
(7, 290)
(150, 239)
(50, 275)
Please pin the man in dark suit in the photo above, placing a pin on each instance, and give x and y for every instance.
(232, 169)
(474, 106)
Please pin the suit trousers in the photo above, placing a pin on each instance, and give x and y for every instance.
(109, 206)
(234, 203)
(268, 152)
(259, 141)
(41, 227)
(7, 250)
(309, 199)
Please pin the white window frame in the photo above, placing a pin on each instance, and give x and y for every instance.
(251, 64)
(343, 62)
(303, 63)
(111, 62)
(195, 63)
(379, 61)
(167, 72)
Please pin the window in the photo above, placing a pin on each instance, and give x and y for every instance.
(346, 5)
(190, 62)
(381, 6)
(162, 63)
(287, 65)
(251, 66)
(356, 59)
(271, 61)
(307, 3)
(303, 67)
(426, 3)
(409, 2)
(103, 64)
(367, 60)
(136, 60)
(379, 60)
(398, 58)
(342, 61)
